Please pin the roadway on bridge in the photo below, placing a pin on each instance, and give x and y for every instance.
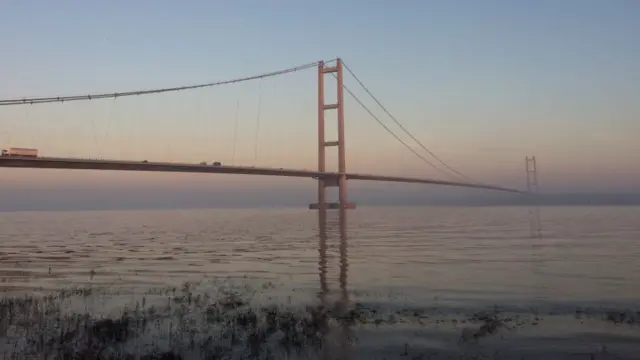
(120, 165)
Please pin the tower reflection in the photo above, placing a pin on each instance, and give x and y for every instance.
(338, 305)
(535, 224)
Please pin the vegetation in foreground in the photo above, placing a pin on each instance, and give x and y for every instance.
(184, 325)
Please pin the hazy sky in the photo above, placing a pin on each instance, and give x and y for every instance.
(481, 83)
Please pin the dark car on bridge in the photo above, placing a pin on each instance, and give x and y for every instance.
(216, 163)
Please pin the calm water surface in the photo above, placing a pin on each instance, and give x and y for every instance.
(452, 258)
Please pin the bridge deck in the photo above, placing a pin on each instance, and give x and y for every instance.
(120, 165)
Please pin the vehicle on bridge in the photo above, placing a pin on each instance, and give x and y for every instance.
(216, 163)
(22, 152)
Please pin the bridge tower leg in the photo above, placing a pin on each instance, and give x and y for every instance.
(532, 174)
(339, 181)
(535, 223)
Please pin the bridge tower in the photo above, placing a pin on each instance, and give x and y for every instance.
(339, 181)
(532, 174)
(535, 223)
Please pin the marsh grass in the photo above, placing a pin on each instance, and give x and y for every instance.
(181, 323)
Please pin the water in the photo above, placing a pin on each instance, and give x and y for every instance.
(450, 259)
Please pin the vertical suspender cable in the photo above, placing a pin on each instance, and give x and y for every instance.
(235, 133)
(29, 129)
(255, 148)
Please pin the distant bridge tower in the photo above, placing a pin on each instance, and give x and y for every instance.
(535, 224)
(532, 174)
(341, 180)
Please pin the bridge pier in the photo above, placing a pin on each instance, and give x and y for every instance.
(340, 180)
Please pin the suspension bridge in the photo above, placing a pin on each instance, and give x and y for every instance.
(324, 178)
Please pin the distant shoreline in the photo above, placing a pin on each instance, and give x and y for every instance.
(301, 207)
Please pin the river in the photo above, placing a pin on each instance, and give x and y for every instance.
(450, 260)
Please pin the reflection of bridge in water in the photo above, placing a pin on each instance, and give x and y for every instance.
(332, 225)
(338, 305)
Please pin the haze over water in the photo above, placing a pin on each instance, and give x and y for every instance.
(451, 259)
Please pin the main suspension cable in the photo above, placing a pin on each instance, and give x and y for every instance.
(401, 126)
(387, 128)
(41, 100)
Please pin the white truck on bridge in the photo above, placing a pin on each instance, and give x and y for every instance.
(23, 152)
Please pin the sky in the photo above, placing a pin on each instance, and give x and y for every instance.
(481, 84)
